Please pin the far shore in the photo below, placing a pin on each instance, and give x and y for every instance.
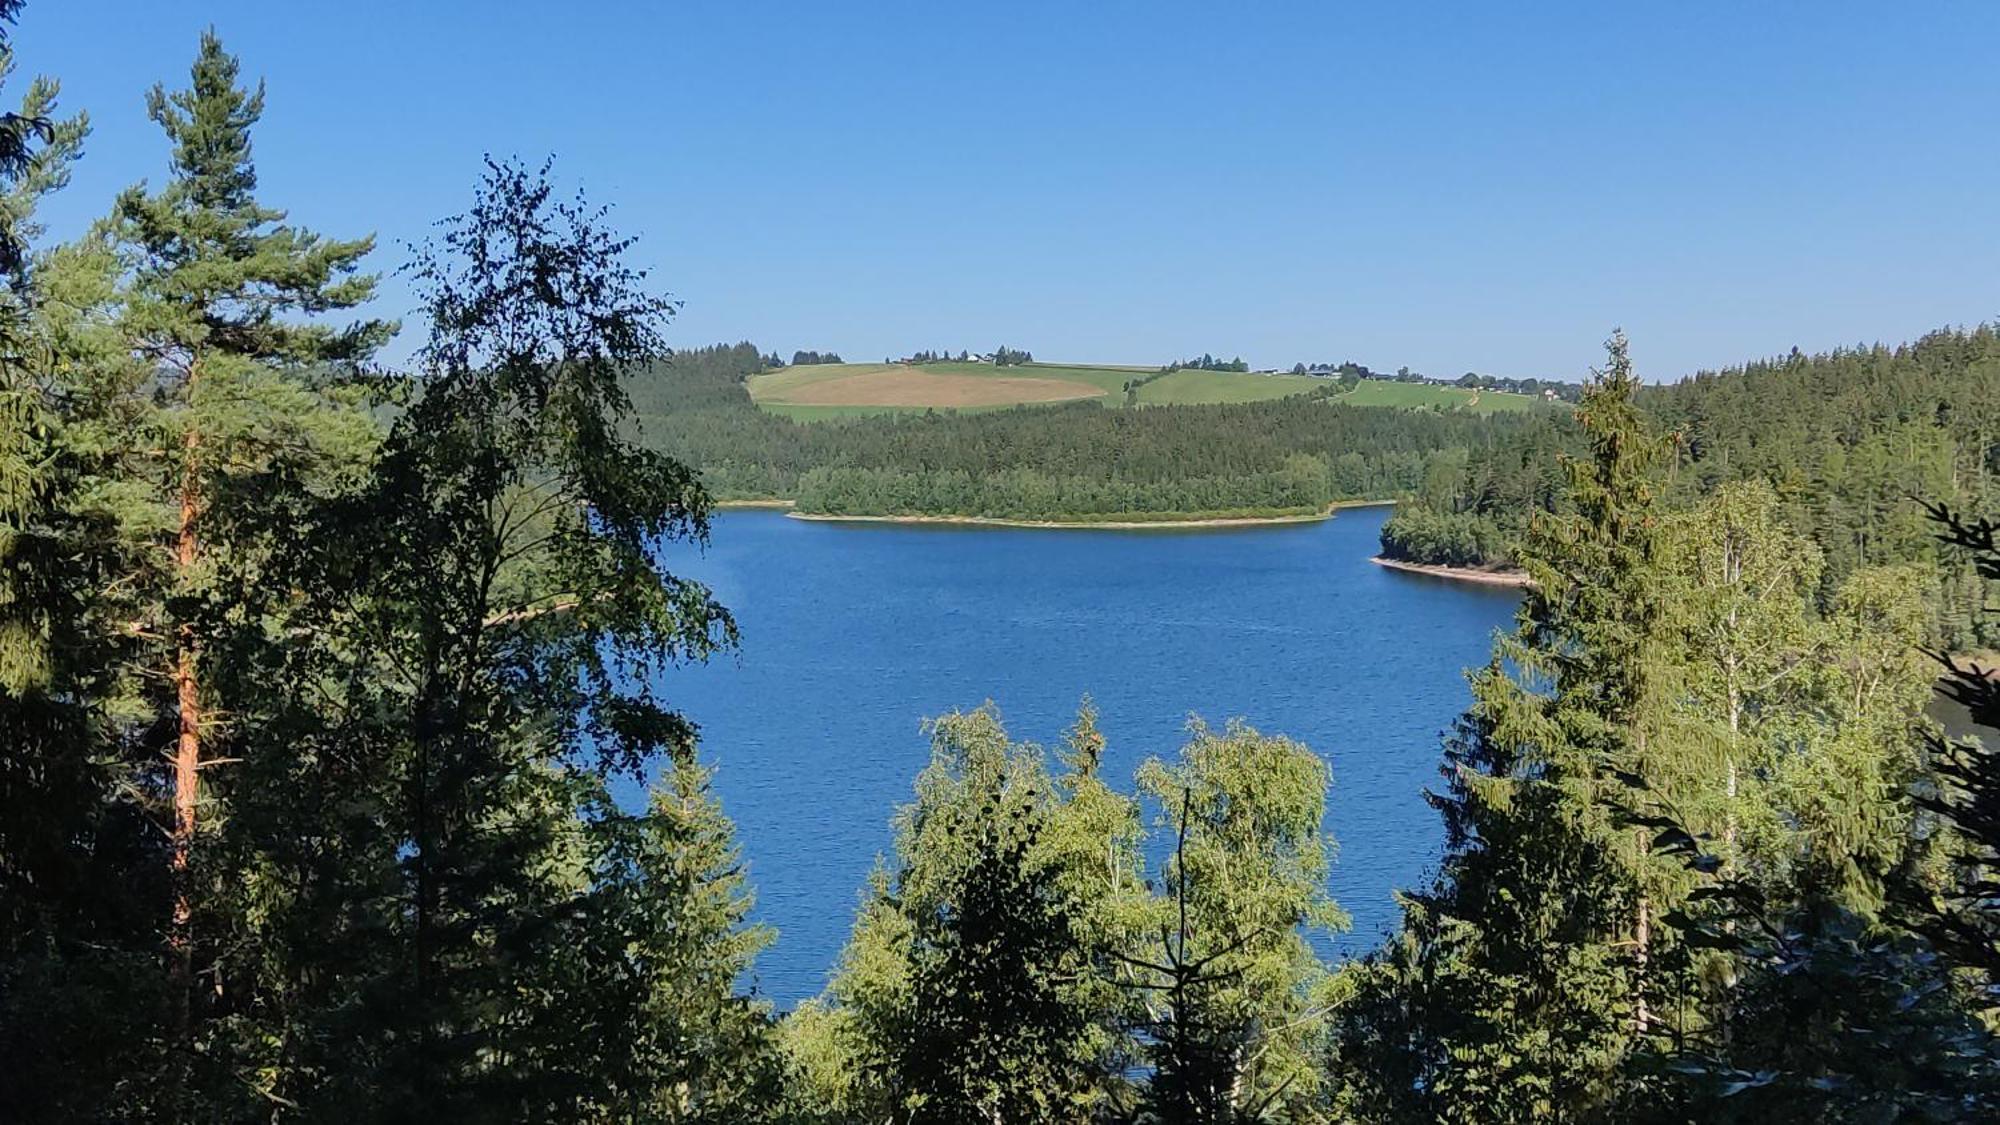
(789, 507)
(1082, 525)
(1515, 578)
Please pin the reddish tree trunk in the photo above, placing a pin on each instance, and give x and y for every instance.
(187, 759)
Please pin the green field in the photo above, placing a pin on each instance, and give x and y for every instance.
(1410, 396)
(1191, 387)
(847, 390)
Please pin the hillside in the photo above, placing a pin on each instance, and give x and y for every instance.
(1383, 392)
(1850, 439)
(1206, 443)
(818, 392)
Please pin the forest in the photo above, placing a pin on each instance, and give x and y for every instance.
(1078, 461)
(316, 675)
(1845, 440)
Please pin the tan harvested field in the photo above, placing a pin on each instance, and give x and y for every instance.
(910, 387)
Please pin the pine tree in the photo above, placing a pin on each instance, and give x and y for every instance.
(232, 394)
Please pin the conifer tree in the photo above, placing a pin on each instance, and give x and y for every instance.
(653, 964)
(972, 985)
(485, 612)
(1522, 978)
(234, 393)
(78, 901)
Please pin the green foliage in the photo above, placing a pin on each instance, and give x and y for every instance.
(413, 657)
(1673, 814)
(1522, 978)
(988, 1032)
(1237, 998)
(1012, 960)
(1426, 535)
(1844, 439)
(1957, 911)
(507, 594)
(1706, 858)
(1075, 461)
(971, 985)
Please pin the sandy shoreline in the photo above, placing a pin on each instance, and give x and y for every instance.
(1514, 578)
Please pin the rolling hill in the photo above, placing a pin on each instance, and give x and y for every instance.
(820, 391)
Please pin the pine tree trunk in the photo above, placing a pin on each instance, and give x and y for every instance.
(187, 760)
(1643, 937)
(1642, 927)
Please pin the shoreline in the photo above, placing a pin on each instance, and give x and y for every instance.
(790, 508)
(1512, 578)
(1079, 525)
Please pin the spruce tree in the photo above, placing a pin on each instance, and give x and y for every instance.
(487, 614)
(1524, 975)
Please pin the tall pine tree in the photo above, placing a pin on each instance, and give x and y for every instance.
(235, 398)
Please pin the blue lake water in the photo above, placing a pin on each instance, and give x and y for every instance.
(854, 633)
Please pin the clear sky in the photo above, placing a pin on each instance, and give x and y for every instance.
(1454, 187)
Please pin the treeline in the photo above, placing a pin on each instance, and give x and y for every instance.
(1074, 461)
(1303, 484)
(1004, 356)
(1206, 362)
(1351, 372)
(1845, 439)
(803, 359)
(1354, 370)
(1568, 392)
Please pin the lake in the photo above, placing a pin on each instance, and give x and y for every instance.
(854, 633)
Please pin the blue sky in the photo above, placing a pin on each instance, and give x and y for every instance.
(1477, 187)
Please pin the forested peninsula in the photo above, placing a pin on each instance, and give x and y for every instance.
(1066, 463)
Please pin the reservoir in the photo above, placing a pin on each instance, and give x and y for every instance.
(852, 634)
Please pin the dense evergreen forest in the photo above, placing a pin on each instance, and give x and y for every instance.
(1076, 461)
(1845, 440)
(315, 676)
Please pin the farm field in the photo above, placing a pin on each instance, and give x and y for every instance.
(1191, 387)
(817, 392)
(812, 393)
